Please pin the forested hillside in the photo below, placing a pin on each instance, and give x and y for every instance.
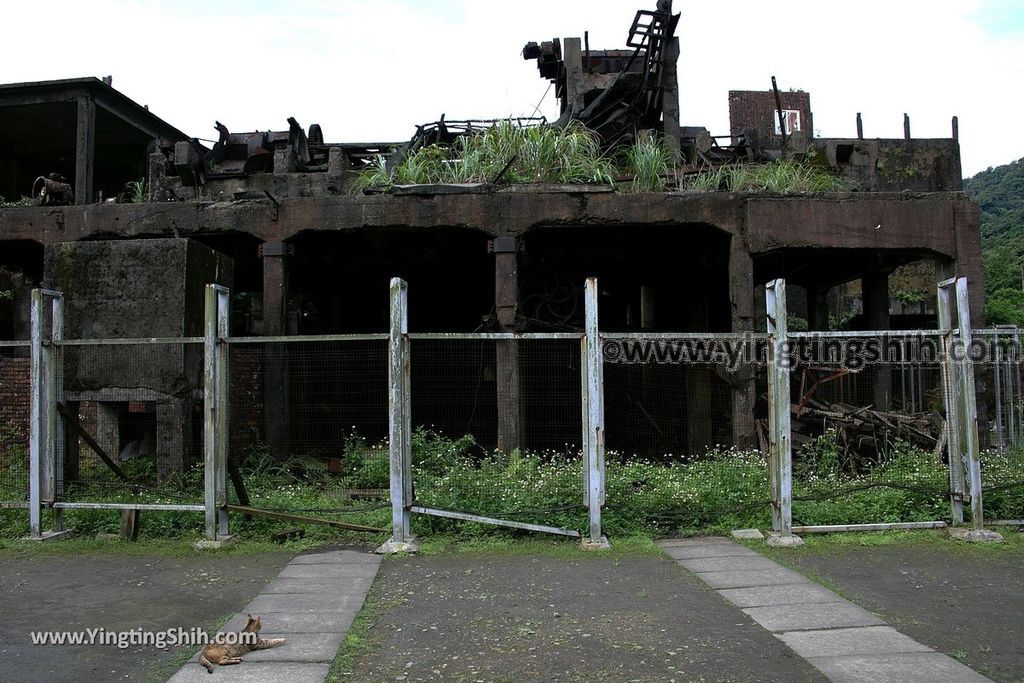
(1000, 192)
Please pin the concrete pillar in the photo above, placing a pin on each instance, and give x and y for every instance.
(875, 293)
(173, 435)
(817, 307)
(507, 371)
(85, 148)
(275, 365)
(108, 428)
(741, 299)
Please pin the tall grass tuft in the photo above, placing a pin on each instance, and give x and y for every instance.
(649, 160)
(504, 153)
(782, 177)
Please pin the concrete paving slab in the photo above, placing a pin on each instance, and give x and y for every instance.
(812, 616)
(843, 642)
(923, 667)
(787, 594)
(304, 602)
(307, 586)
(743, 579)
(275, 623)
(736, 563)
(695, 540)
(338, 557)
(255, 672)
(326, 571)
(690, 552)
(301, 647)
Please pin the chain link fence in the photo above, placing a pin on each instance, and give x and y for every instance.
(868, 421)
(132, 416)
(682, 414)
(308, 423)
(998, 372)
(15, 390)
(498, 427)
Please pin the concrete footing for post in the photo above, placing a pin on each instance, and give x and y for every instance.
(591, 544)
(748, 534)
(961, 533)
(391, 547)
(207, 544)
(777, 540)
(50, 536)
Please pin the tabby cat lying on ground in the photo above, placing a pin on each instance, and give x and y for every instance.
(223, 653)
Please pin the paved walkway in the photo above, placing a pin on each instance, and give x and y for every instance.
(311, 603)
(840, 639)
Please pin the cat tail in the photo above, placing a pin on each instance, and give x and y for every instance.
(269, 642)
(206, 663)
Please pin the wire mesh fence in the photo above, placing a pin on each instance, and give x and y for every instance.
(15, 390)
(132, 416)
(868, 428)
(497, 427)
(678, 409)
(308, 423)
(997, 371)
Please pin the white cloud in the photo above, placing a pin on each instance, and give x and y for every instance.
(368, 69)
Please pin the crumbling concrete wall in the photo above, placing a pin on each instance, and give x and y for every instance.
(137, 289)
(919, 165)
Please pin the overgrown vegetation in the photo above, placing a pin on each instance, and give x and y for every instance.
(503, 153)
(1000, 192)
(137, 192)
(783, 177)
(721, 490)
(509, 154)
(650, 161)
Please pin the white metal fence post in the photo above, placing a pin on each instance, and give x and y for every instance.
(55, 439)
(210, 414)
(780, 450)
(593, 420)
(951, 396)
(215, 412)
(44, 422)
(36, 412)
(399, 423)
(222, 407)
(970, 406)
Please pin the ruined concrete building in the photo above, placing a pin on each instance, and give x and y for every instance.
(268, 214)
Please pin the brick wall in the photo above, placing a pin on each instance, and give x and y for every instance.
(756, 109)
(15, 393)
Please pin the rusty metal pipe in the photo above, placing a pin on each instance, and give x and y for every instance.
(47, 192)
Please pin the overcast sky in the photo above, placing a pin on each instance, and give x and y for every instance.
(369, 70)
